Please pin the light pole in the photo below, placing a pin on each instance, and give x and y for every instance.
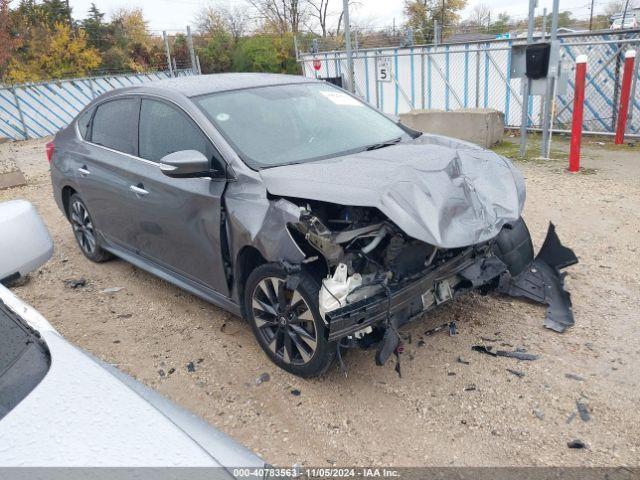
(347, 34)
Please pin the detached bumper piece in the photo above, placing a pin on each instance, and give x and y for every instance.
(543, 282)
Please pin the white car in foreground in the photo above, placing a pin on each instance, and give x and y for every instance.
(62, 407)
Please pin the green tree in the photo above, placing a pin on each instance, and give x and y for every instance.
(55, 52)
(422, 13)
(8, 41)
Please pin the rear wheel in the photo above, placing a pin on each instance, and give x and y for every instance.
(85, 232)
(286, 321)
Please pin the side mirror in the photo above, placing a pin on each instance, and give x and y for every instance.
(25, 244)
(185, 164)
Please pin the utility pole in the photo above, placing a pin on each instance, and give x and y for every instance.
(550, 88)
(347, 36)
(167, 53)
(526, 84)
(591, 16)
(192, 52)
(624, 15)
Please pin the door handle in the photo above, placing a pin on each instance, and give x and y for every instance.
(138, 189)
(83, 170)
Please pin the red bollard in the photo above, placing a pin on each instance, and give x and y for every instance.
(578, 112)
(627, 77)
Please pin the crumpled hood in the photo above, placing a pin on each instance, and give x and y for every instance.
(443, 191)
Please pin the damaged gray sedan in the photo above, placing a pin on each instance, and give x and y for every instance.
(288, 201)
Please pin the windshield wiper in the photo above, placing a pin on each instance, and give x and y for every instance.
(388, 143)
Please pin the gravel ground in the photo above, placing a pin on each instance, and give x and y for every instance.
(441, 412)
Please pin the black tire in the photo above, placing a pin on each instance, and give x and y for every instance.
(86, 235)
(286, 322)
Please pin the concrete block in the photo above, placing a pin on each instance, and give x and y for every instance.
(482, 126)
(12, 179)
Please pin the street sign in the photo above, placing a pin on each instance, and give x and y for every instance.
(384, 69)
(317, 65)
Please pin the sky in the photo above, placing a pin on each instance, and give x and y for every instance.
(176, 14)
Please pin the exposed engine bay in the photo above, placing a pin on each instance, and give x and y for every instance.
(375, 278)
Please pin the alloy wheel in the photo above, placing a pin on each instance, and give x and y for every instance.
(285, 321)
(83, 227)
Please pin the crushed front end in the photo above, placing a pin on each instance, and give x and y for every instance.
(376, 278)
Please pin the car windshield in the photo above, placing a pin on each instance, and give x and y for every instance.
(285, 124)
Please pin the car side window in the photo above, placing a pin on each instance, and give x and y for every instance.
(115, 125)
(165, 129)
(83, 123)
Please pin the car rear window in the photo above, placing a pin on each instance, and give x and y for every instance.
(24, 359)
(115, 125)
(83, 123)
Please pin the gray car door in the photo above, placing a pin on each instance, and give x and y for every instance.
(103, 165)
(175, 222)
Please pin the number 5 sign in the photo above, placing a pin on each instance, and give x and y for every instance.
(384, 69)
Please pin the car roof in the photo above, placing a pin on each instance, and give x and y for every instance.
(194, 85)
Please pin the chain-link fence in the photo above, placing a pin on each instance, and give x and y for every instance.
(36, 110)
(477, 75)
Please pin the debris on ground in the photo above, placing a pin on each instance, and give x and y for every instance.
(124, 315)
(517, 353)
(161, 373)
(111, 290)
(453, 329)
(295, 392)
(583, 411)
(75, 283)
(573, 376)
(463, 360)
(421, 343)
(171, 370)
(538, 413)
(263, 378)
(517, 373)
(191, 367)
(470, 388)
(576, 443)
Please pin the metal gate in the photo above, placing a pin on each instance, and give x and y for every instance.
(477, 75)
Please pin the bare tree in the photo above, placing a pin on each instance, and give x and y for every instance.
(319, 10)
(617, 6)
(282, 15)
(480, 15)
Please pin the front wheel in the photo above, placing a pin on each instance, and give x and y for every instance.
(286, 321)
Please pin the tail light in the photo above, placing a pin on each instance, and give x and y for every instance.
(50, 148)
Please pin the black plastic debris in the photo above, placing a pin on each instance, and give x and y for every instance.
(583, 411)
(75, 283)
(517, 373)
(263, 378)
(576, 443)
(453, 329)
(295, 392)
(542, 282)
(421, 343)
(517, 354)
(470, 388)
(171, 370)
(484, 349)
(573, 376)
(191, 367)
